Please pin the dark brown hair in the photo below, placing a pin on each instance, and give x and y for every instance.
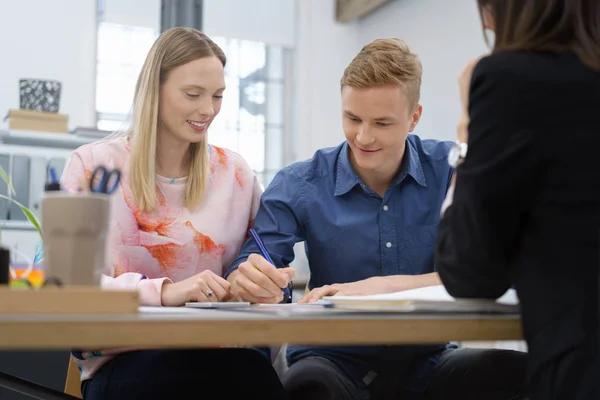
(547, 25)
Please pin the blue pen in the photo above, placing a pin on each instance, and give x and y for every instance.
(53, 184)
(263, 250)
(53, 178)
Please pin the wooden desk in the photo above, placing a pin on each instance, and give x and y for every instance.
(204, 328)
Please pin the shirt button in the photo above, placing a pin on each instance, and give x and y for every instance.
(388, 245)
(385, 208)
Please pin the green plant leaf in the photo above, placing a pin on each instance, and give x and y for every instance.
(27, 213)
(5, 178)
(31, 219)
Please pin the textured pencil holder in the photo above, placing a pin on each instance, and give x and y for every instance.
(75, 228)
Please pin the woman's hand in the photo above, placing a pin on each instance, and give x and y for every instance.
(464, 84)
(462, 130)
(203, 287)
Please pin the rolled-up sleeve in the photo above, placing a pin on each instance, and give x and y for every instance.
(280, 219)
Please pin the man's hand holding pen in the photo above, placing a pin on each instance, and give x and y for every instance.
(258, 281)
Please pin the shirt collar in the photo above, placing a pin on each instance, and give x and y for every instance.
(411, 165)
(346, 178)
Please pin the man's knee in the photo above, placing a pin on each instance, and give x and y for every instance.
(316, 378)
(472, 373)
(484, 361)
(314, 371)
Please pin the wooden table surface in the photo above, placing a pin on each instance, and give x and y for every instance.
(200, 328)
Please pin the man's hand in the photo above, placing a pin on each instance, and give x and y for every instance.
(258, 281)
(377, 284)
(374, 285)
(320, 292)
(203, 287)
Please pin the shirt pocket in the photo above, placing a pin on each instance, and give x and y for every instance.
(416, 250)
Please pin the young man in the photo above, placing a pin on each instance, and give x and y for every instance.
(368, 211)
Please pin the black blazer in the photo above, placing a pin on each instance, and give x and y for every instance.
(526, 211)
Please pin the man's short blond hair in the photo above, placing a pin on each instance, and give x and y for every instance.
(386, 62)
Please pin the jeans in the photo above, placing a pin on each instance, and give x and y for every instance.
(232, 373)
(462, 374)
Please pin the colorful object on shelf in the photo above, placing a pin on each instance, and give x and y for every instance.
(23, 277)
(35, 277)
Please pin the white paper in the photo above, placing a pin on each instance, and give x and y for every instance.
(430, 293)
(430, 299)
(166, 310)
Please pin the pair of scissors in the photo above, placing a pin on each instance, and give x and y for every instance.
(104, 180)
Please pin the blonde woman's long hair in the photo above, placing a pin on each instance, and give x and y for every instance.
(173, 48)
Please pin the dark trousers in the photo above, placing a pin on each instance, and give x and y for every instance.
(234, 373)
(573, 375)
(462, 374)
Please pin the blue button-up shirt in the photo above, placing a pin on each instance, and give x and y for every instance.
(350, 232)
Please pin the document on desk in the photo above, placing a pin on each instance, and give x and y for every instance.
(293, 306)
(166, 310)
(427, 299)
(286, 308)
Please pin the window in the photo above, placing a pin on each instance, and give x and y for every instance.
(251, 118)
(121, 53)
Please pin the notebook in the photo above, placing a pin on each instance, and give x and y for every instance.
(428, 299)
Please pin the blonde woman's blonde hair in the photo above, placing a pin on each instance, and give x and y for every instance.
(386, 62)
(173, 48)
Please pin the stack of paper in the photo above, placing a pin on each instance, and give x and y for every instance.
(427, 299)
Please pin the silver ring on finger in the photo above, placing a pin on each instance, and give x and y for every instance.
(209, 293)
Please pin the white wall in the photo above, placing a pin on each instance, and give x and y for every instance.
(445, 34)
(143, 13)
(50, 40)
(268, 21)
(323, 49)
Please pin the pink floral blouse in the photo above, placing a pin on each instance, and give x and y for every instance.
(172, 242)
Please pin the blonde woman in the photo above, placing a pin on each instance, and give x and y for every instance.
(180, 216)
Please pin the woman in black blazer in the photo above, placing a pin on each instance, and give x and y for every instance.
(525, 206)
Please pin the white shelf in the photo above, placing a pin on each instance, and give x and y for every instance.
(44, 139)
(16, 225)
